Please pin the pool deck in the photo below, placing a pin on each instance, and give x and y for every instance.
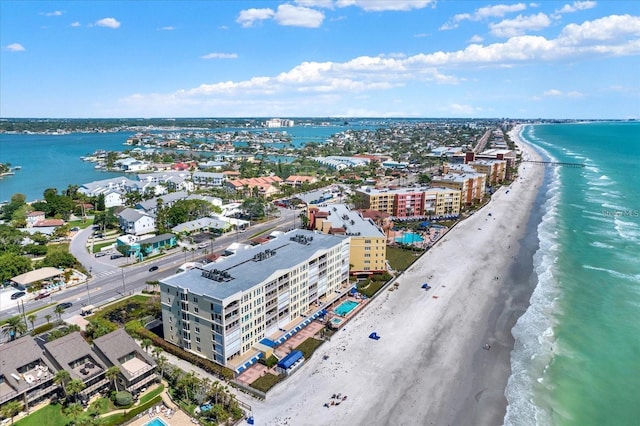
(429, 236)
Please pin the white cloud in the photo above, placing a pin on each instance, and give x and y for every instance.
(421, 35)
(108, 23)
(75, 24)
(609, 36)
(495, 11)
(576, 6)
(167, 28)
(461, 109)
(286, 15)
(520, 25)
(54, 13)
(560, 94)
(15, 47)
(553, 92)
(249, 16)
(476, 39)
(327, 4)
(382, 5)
(220, 56)
(298, 16)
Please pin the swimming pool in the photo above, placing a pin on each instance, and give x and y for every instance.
(156, 422)
(336, 320)
(345, 307)
(409, 238)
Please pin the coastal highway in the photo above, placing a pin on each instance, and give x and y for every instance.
(109, 282)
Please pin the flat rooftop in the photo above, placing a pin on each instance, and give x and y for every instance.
(253, 265)
(340, 216)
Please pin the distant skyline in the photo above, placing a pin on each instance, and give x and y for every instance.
(320, 58)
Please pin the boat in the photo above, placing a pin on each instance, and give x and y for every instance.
(17, 168)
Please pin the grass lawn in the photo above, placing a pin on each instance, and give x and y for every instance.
(63, 247)
(51, 415)
(150, 395)
(80, 224)
(372, 288)
(400, 259)
(100, 246)
(309, 346)
(265, 382)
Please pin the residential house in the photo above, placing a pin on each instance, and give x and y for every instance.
(137, 368)
(26, 374)
(136, 222)
(74, 354)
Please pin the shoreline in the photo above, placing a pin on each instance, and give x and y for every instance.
(429, 365)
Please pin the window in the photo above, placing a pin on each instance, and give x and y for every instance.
(195, 309)
(197, 329)
(197, 340)
(195, 300)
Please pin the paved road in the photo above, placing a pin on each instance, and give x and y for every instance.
(112, 279)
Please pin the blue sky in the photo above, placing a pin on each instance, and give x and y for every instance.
(346, 58)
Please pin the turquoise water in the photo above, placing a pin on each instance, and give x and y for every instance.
(409, 238)
(576, 359)
(156, 422)
(345, 307)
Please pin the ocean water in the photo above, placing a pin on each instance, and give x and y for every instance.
(576, 359)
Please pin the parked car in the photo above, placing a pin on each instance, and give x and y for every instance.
(116, 256)
(75, 229)
(100, 254)
(153, 268)
(42, 296)
(65, 305)
(17, 295)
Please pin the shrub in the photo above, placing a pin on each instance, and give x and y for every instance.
(123, 398)
(269, 362)
(41, 329)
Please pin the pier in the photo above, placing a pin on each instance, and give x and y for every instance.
(554, 163)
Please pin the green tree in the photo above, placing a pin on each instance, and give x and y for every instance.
(74, 387)
(100, 205)
(48, 318)
(112, 374)
(17, 201)
(61, 378)
(14, 327)
(11, 409)
(146, 344)
(12, 264)
(59, 310)
(60, 259)
(32, 319)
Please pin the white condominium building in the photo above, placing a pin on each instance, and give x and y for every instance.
(222, 310)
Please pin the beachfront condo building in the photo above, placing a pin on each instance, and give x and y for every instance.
(440, 202)
(410, 202)
(368, 252)
(496, 170)
(471, 185)
(223, 309)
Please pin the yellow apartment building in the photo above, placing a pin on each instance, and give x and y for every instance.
(368, 248)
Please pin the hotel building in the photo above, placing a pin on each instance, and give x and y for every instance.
(368, 252)
(411, 202)
(224, 309)
(471, 185)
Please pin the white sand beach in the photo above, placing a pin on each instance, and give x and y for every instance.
(429, 367)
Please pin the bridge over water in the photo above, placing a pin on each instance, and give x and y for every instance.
(554, 163)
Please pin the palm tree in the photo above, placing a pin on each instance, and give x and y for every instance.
(162, 362)
(156, 351)
(32, 320)
(59, 311)
(112, 374)
(48, 318)
(73, 411)
(11, 409)
(14, 327)
(62, 377)
(74, 387)
(146, 344)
